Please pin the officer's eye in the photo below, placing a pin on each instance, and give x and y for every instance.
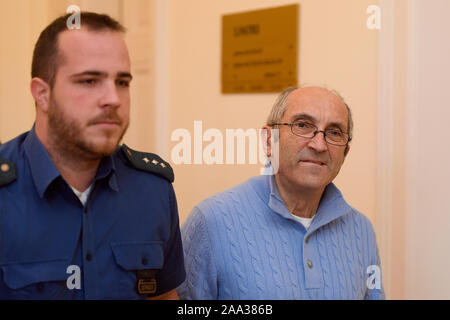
(123, 83)
(89, 81)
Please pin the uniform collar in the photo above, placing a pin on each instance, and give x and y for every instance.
(107, 168)
(42, 168)
(331, 207)
(44, 171)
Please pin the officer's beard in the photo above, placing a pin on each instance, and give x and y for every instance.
(69, 140)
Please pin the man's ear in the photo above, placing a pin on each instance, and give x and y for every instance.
(347, 149)
(266, 134)
(41, 93)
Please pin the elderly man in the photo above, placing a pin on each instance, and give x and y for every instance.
(290, 235)
(80, 217)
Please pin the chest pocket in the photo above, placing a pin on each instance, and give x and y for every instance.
(134, 256)
(34, 280)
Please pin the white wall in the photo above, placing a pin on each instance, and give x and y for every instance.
(428, 154)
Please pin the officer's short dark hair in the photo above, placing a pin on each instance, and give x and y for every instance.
(46, 58)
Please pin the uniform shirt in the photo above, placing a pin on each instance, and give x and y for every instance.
(51, 243)
(244, 243)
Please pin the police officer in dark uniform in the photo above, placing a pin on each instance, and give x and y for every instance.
(80, 216)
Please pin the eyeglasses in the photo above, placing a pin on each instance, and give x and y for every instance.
(304, 129)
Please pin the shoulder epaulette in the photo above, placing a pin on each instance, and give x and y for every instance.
(149, 162)
(7, 172)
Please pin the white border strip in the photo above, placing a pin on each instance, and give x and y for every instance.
(385, 136)
(412, 148)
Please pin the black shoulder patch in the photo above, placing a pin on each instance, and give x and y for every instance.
(149, 162)
(7, 172)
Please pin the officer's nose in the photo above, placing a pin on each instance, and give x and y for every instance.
(110, 96)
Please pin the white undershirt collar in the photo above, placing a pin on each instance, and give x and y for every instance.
(83, 196)
(306, 222)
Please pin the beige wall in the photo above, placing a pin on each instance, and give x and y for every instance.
(398, 213)
(192, 91)
(29, 18)
(336, 49)
(394, 80)
(175, 48)
(16, 106)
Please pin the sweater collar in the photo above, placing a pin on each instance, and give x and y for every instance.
(331, 207)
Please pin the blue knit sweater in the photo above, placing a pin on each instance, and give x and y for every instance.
(244, 244)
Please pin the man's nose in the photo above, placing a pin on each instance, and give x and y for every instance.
(318, 142)
(110, 96)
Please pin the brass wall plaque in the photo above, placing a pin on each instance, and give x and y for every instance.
(259, 50)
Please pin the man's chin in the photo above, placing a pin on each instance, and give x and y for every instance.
(100, 150)
(105, 152)
(310, 180)
(103, 145)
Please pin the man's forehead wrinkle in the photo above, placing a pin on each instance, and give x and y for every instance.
(307, 93)
(311, 103)
(306, 116)
(313, 97)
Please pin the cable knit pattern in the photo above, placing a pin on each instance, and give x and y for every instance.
(291, 276)
(348, 253)
(326, 272)
(337, 260)
(273, 272)
(244, 244)
(236, 250)
(253, 248)
(358, 251)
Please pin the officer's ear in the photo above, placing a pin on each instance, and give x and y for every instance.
(41, 93)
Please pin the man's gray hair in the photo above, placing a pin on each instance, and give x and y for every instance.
(280, 106)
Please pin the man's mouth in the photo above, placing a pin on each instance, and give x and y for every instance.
(316, 162)
(107, 122)
(107, 119)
